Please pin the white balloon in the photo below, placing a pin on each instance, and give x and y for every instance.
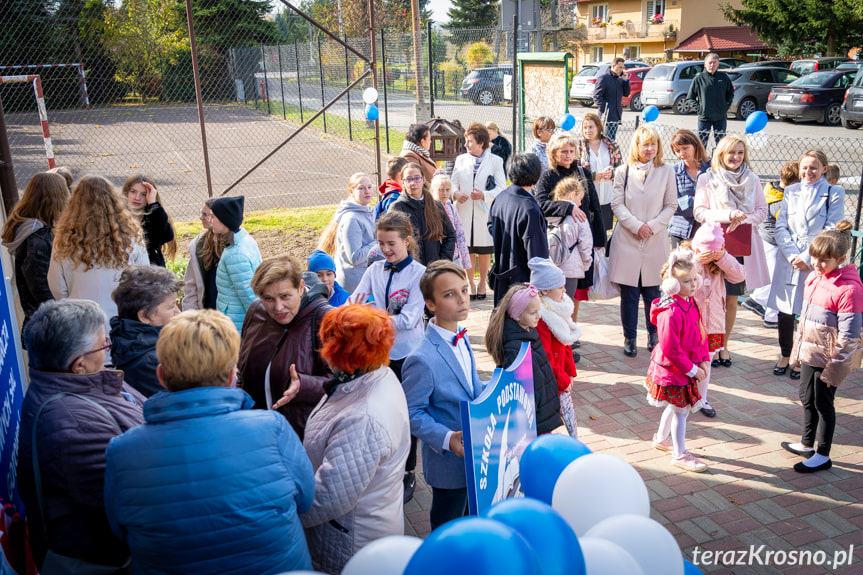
(757, 140)
(370, 95)
(597, 486)
(385, 556)
(650, 544)
(603, 557)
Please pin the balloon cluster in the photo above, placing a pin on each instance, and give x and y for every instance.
(370, 96)
(584, 514)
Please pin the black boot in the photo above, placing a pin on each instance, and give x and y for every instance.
(652, 341)
(629, 347)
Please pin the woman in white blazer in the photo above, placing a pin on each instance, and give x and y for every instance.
(644, 199)
(807, 209)
(477, 179)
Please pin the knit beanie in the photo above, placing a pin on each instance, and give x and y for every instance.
(545, 275)
(708, 238)
(229, 211)
(321, 260)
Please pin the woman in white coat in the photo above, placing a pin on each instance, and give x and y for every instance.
(477, 179)
(644, 199)
(807, 209)
(731, 193)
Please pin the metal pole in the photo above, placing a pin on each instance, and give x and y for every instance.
(266, 87)
(386, 107)
(347, 80)
(198, 97)
(431, 70)
(299, 88)
(321, 66)
(514, 87)
(856, 217)
(8, 187)
(374, 64)
(282, 82)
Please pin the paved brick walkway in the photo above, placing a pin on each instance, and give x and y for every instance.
(750, 495)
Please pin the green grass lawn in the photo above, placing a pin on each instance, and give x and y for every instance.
(316, 218)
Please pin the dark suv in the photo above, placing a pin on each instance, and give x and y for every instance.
(484, 86)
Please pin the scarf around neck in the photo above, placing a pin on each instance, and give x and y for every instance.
(734, 190)
(411, 147)
(557, 315)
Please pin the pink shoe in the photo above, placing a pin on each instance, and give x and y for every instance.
(688, 462)
(664, 445)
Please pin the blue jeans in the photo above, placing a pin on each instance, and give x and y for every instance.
(447, 504)
(718, 126)
(629, 296)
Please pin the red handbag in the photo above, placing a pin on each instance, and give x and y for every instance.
(738, 242)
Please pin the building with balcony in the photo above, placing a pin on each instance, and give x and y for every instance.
(643, 29)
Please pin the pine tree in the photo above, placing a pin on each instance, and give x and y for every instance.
(473, 14)
(226, 24)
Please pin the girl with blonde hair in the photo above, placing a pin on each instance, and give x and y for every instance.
(90, 252)
(28, 235)
(145, 204)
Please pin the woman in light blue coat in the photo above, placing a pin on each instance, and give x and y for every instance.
(808, 208)
(238, 262)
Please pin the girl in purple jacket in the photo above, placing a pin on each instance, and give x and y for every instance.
(680, 360)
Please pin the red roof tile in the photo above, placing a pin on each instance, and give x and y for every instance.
(721, 39)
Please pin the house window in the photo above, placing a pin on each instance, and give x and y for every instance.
(655, 11)
(596, 54)
(598, 14)
(634, 51)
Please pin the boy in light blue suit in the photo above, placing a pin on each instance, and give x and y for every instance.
(438, 375)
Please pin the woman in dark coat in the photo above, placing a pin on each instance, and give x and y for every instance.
(143, 200)
(28, 235)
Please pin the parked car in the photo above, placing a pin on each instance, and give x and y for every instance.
(817, 96)
(733, 62)
(484, 86)
(852, 65)
(666, 85)
(752, 87)
(851, 113)
(769, 63)
(636, 81)
(810, 65)
(584, 81)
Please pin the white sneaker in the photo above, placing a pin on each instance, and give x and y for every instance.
(689, 462)
(665, 445)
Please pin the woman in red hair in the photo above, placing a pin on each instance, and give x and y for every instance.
(357, 438)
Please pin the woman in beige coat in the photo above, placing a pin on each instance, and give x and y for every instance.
(645, 197)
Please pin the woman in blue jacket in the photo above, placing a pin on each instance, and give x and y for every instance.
(238, 262)
(207, 485)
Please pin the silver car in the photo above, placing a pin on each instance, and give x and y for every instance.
(666, 85)
(752, 87)
(584, 81)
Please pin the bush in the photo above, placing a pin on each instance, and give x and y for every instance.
(479, 54)
(453, 74)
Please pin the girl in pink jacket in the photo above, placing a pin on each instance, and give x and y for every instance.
(827, 343)
(717, 267)
(680, 360)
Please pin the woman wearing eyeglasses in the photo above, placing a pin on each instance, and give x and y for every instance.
(76, 407)
(543, 130)
(205, 249)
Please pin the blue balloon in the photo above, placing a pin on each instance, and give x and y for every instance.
(544, 460)
(548, 534)
(474, 545)
(372, 112)
(755, 122)
(566, 122)
(690, 569)
(650, 114)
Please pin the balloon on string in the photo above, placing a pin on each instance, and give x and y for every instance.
(372, 112)
(690, 569)
(544, 459)
(546, 532)
(474, 545)
(650, 544)
(385, 556)
(370, 95)
(602, 557)
(650, 114)
(755, 122)
(566, 122)
(597, 486)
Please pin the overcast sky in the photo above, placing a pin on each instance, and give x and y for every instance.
(439, 9)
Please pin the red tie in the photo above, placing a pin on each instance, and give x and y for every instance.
(458, 336)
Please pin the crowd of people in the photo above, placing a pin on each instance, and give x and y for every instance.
(286, 403)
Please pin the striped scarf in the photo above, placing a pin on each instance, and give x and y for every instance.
(411, 147)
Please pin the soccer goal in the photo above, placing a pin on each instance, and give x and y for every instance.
(36, 81)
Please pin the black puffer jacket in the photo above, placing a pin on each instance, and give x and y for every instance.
(544, 383)
(72, 437)
(133, 350)
(32, 251)
(428, 250)
(157, 232)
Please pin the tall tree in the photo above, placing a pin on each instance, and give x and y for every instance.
(802, 25)
(473, 14)
(226, 24)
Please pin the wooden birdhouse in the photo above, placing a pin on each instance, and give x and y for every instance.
(447, 140)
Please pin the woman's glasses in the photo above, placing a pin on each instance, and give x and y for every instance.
(414, 180)
(105, 347)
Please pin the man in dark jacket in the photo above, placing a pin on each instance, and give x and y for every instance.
(611, 88)
(517, 226)
(711, 94)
